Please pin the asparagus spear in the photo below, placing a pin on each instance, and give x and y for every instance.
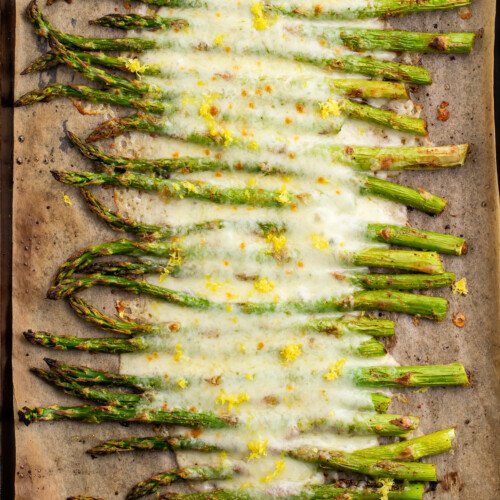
(94, 345)
(127, 64)
(367, 281)
(357, 157)
(370, 66)
(137, 21)
(360, 39)
(411, 449)
(111, 413)
(361, 324)
(407, 450)
(57, 90)
(417, 238)
(101, 396)
(391, 301)
(377, 8)
(417, 198)
(411, 376)
(180, 189)
(161, 443)
(93, 315)
(192, 473)
(99, 75)
(400, 158)
(184, 4)
(382, 117)
(408, 471)
(421, 200)
(45, 29)
(355, 491)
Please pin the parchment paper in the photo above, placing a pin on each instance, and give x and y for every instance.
(51, 463)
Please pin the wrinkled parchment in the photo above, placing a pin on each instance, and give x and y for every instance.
(51, 463)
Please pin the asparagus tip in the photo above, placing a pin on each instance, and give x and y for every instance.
(25, 415)
(29, 335)
(57, 175)
(53, 363)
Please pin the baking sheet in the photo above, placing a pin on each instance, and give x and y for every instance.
(50, 459)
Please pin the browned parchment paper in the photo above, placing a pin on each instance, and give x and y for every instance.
(51, 463)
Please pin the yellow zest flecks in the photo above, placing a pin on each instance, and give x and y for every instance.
(67, 200)
(257, 449)
(263, 285)
(242, 348)
(182, 383)
(219, 39)
(328, 108)
(249, 376)
(283, 196)
(253, 146)
(179, 354)
(175, 260)
(335, 370)
(291, 352)
(261, 19)
(213, 286)
(135, 66)
(460, 287)
(279, 466)
(278, 244)
(319, 242)
(231, 400)
(385, 486)
(208, 111)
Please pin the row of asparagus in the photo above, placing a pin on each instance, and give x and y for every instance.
(397, 461)
(150, 98)
(375, 8)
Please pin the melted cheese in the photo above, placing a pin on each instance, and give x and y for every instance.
(231, 75)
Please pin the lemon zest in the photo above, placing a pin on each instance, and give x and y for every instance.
(257, 449)
(279, 466)
(460, 287)
(263, 285)
(335, 369)
(291, 352)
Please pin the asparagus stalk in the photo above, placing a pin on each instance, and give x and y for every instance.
(93, 345)
(411, 376)
(417, 198)
(399, 281)
(192, 473)
(180, 189)
(184, 4)
(159, 443)
(417, 238)
(154, 232)
(400, 158)
(99, 75)
(93, 315)
(355, 491)
(361, 324)
(411, 449)
(45, 29)
(112, 413)
(369, 66)
(423, 262)
(369, 89)
(126, 64)
(358, 157)
(377, 8)
(360, 39)
(421, 200)
(407, 471)
(370, 491)
(57, 90)
(137, 21)
(382, 117)
(367, 281)
(391, 301)
(101, 396)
